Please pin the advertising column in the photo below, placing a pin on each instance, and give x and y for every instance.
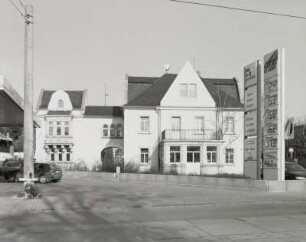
(274, 112)
(252, 120)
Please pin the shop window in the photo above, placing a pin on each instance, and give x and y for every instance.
(211, 154)
(175, 154)
(193, 154)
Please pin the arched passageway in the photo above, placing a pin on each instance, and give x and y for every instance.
(112, 157)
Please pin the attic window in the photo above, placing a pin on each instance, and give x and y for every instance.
(188, 90)
(60, 103)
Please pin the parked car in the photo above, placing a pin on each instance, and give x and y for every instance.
(45, 172)
(293, 171)
(9, 168)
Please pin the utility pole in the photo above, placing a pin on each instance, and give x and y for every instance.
(28, 147)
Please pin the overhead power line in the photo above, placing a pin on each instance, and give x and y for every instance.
(21, 4)
(14, 5)
(238, 9)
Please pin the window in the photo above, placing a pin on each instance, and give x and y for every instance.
(229, 156)
(176, 123)
(144, 124)
(67, 156)
(188, 90)
(192, 90)
(60, 156)
(58, 128)
(229, 125)
(60, 103)
(144, 155)
(175, 154)
(112, 130)
(119, 130)
(52, 156)
(199, 125)
(184, 90)
(51, 131)
(66, 128)
(212, 154)
(105, 130)
(193, 154)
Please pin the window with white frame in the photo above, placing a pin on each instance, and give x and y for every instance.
(229, 125)
(229, 156)
(144, 155)
(184, 90)
(119, 130)
(192, 90)
(105, 130)
(68, 156)
(58, 128)
(112, 131)
(193, 154)
(188, 90)
(60, 104)
(145, 124)
(51, 128)
(52, 157)
(211, 154)
(67, 131)
(175, 154)
(199, 123)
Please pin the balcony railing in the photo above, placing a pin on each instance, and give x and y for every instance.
(58, 140)
(191, 134)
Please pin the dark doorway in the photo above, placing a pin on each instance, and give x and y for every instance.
(112, 157)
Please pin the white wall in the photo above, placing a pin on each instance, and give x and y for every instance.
(88, 140)
(134, 140)
(189, 76)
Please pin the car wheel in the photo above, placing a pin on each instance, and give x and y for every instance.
(43, 179)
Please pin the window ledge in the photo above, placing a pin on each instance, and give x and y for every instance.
(144, 132)
(145, 164)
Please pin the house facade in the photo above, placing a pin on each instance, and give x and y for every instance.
(72, 132)
(183, 124)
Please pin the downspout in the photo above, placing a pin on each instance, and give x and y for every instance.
(159, 137)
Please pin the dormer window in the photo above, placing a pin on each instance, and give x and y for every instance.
(60, 104)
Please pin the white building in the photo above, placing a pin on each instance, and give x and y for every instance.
(72, 133)
(182, 123)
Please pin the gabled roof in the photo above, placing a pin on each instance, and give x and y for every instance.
(154, 94)
(224, 92)
(76, 98)
(137, 85)
(105, 111)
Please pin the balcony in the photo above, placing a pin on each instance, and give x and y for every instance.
(59, 140)
(191, 134)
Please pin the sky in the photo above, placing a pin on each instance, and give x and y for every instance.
(90, 44)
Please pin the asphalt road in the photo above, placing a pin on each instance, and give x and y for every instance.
(88, 209)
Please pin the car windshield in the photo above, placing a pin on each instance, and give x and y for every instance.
(295, 167)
